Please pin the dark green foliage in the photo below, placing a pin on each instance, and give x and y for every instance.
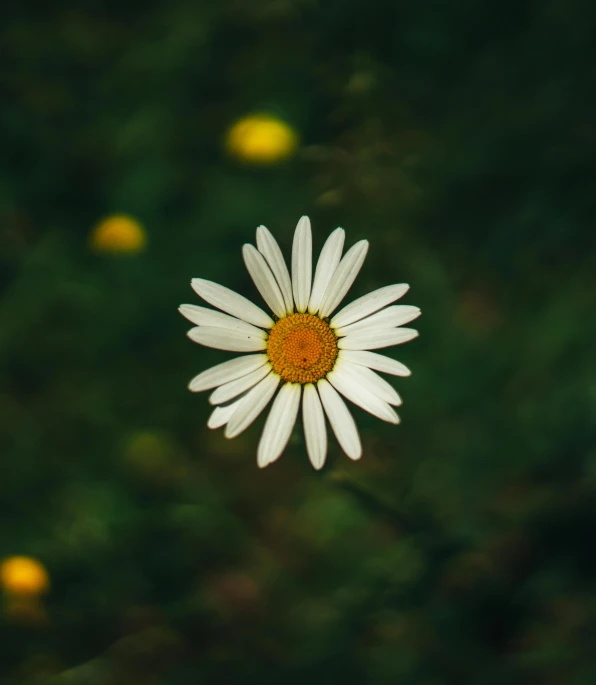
(459, 139)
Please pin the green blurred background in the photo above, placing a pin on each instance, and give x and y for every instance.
(460, 141)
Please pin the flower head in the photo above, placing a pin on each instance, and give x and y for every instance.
(310, 354)
(261, 139)
(118, 233)
(23, 576)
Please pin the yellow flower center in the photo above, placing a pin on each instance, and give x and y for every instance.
(302, 348)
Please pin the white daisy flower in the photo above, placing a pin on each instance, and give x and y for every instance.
(304, 350)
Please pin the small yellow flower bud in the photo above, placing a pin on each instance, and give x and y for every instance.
(23, 576)
(118, 233)
(261, 139)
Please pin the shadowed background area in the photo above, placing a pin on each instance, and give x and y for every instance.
(141, 147)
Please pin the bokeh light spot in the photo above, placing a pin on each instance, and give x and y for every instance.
(23, 576)
(118, 234)
(261, 139)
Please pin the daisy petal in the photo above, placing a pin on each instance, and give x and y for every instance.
(344, 276)
(302, 264)
(328, 261)
(226, 372)
(342, 422)
(224, 339)
(356, 393)
(201, 316)
(398, 315)
(221, 415)
(232, 389)
(279, 424)
(315, 432)
(251, 405)
(378, 362)
(367, 304)
(264, 280)
(369, 381)
(231, 303)
(372, 340)
(268, 247)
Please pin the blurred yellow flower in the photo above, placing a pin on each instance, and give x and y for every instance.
(261, 139)
(23, 576)
(118, 233)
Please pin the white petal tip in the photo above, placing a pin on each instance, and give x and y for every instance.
(197, 285)
(247, 251)
(303, 225)
(263, 460)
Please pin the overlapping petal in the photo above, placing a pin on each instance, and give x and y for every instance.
(390, 317)
(279, 425)
(353, 391)
(226, 372)
(343, 277)
(369, 381)
(328, 260)
(268, 247)
(367, 304)
(228, 391)
(251, 405)
(378, 362)
(264, 279)
(201, 316)
(376, 339)
(221, 415)
(342, 422)
(230, 302)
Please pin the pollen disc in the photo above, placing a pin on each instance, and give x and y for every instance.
(302, 348)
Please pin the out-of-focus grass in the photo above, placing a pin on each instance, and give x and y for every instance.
(460, 142)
